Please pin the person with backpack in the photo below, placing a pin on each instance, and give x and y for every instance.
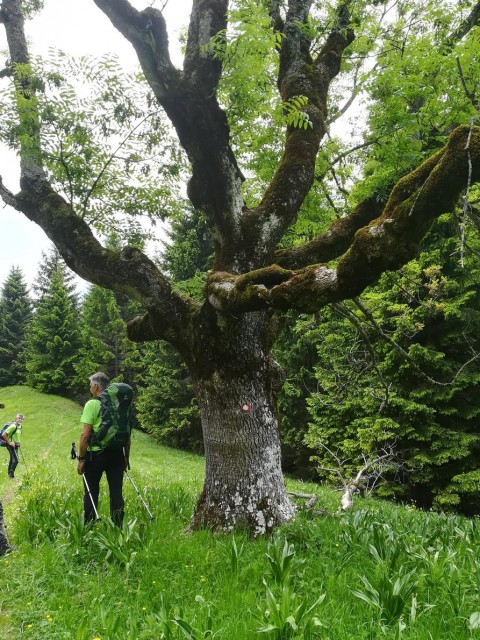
(105, 444)
(10, 438)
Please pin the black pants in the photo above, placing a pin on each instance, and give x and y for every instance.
(4, 546)
(12, 465)
(113, 463)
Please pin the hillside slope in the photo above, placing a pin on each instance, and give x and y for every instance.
(380, 571)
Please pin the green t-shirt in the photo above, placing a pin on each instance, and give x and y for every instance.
(14, 432)
(92, 414)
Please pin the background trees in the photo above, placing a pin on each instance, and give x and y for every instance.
(103, 344)
(54, 339)
(15, 311)
(392, 368)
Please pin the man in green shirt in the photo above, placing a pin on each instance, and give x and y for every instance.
(93, 460)
(11, 439)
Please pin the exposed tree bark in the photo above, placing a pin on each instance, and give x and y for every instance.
(236, 384)
(226, 340)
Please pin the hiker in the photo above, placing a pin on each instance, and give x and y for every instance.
(4, 546)
(93, 459)
(10, 438)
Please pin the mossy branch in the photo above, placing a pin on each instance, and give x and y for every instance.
(385, 244)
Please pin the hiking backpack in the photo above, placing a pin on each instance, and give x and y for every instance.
(2, 441)
(116, 410)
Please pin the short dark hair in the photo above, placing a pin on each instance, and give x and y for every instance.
(101, 379)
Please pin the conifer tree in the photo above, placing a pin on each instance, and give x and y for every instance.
(402, 365)
(15, 312)
(103, 342)
(49, 262)
(54, 339)
(166, 404)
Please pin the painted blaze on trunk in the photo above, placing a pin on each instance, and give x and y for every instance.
(244, 485)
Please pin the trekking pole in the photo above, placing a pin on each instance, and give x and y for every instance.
(22, 455)
(152, 517)
(91, 499)
(74, 456)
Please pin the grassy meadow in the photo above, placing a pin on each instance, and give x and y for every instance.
(380, 571)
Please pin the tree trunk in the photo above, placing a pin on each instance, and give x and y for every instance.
(244, 485)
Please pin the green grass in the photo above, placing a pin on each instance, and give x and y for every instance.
(381, 571)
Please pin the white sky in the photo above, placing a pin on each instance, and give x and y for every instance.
(79, 28)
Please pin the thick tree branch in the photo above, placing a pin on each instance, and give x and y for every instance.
(129, 270)
(275, 15)
(146, 31)
(416, 200)
(299, 75)
(334, 242)
(7, 196)
(385, 244)
(207, 19)
(189, 99)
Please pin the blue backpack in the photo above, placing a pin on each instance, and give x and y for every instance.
(4, 428)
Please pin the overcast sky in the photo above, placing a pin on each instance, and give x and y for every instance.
(80, 28)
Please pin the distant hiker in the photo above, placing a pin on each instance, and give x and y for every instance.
(105, 444)
(4, 546)
(10, 438)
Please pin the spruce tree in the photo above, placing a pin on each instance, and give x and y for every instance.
(402, 366)
(15, 312)
(166, 404)
(49, 262)
(54, 339)
(104, 345)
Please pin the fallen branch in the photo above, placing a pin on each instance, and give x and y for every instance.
(311, 497)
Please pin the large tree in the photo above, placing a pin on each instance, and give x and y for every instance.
(225, 339)
(54, 338)
(15, 312)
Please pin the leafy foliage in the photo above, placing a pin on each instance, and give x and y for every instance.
(106, 146)
(103, 342)
(395, 373)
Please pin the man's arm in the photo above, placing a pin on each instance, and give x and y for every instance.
(6, 437)
(84, 440)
